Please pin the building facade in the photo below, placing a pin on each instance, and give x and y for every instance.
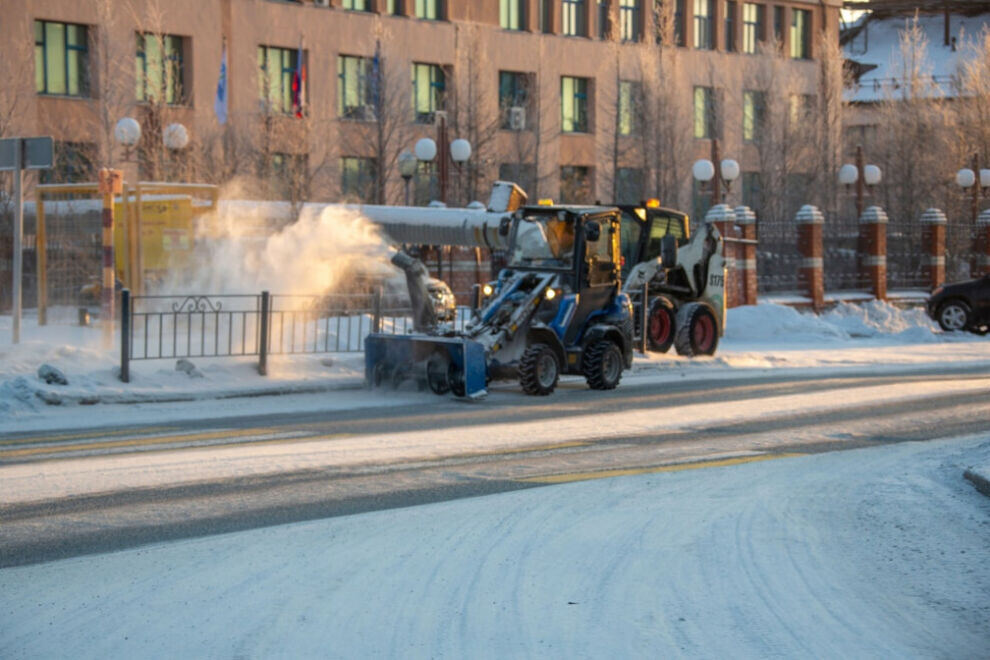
(578, 100)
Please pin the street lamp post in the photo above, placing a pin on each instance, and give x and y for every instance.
(859, 174)
(175, 137)
(967, 178)
(704, 171)
(407, 167)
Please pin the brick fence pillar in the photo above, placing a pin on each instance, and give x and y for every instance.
(933, 240)
(811, 275)
(873, 250)
(724, 219)
(746, 220)
(982, 247)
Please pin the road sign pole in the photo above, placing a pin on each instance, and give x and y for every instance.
(16, 155)
(110, 182)
(18, 239)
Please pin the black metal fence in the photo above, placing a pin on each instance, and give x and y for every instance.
(156, 327)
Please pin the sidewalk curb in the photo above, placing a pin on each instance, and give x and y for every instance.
(981, 483)
(52, 397)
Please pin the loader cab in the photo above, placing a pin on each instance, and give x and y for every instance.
(580, 243)
(643, 229)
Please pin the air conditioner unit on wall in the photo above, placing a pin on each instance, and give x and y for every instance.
(517, 118)
(321, 3)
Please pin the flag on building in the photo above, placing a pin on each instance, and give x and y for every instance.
(376, 80)
(299, 84)
(220, 102)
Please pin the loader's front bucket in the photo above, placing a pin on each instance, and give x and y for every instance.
(444, 364)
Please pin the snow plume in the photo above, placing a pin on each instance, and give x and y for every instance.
(247, 247)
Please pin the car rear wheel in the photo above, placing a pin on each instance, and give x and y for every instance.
(953, 316)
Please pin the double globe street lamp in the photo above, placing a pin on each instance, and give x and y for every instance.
(966, 179)
(860, 174)
(728, 171)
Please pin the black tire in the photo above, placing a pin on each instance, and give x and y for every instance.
(602, 365)
(661, 323)
(437, 369)
(539, 370)
(697, 330)
(953, 315)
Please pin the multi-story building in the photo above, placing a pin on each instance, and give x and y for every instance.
(576, 99)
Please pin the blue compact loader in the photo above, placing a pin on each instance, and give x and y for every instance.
(556, 308)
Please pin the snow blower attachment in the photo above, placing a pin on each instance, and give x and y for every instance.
(433, 356)
(557, 308)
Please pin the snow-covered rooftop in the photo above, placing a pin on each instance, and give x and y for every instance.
(877, 43)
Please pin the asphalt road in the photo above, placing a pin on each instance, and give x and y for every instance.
(57, 528)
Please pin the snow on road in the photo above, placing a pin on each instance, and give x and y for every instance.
(25, 482)
(877, 552)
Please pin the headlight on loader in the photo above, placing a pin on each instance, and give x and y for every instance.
(550, 294)
(487, 290)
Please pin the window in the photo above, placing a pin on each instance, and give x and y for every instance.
(752, 26)
(510, 14)
(356, 5)
(754, 115)
(277, 67)
(603, 19)
(546, 16)
(629, 20)
(428, 87)
(572, 18)
(800, 34)
(751, 191)
(630, 94)
(429, 10)
(288, 176)
(513, 92)
(158, 68)
(730, 26)
(704, 112)
(629, 185)
(74, 162)
(800, 107)
(394, 7)
(523, 174)
(355, 87)
(574, 105)
(61, 59)
(575, 185)
(357, 179)
(778, 25)
(704, 15)
(679, 30)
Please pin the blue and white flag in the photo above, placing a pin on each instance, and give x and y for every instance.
(220, 103)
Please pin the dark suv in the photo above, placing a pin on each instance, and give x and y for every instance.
(962, 306)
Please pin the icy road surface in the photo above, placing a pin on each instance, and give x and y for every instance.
(879, 552)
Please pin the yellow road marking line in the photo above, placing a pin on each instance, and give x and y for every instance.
(140, 442)
(84, 436)
(607, 474)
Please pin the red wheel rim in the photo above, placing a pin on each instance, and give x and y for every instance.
(659, 326)
(704, 333)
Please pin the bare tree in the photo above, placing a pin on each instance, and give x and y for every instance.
(378, 130)
(664, 119)
(911, 139)
(475, 117)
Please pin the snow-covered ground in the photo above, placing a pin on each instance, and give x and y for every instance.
(759, 340)
(877, 552)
